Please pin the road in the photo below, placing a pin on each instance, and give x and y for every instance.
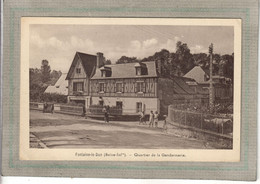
(65, 131)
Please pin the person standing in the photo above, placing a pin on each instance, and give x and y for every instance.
(165, 124)
(105, 113)
(151, 119)
(156, 119)
(142, 118)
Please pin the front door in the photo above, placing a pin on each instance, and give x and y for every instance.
(138, 107)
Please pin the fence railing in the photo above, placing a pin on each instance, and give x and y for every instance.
(219, 124)
(114, 111)
(34, 105)
(69, 109)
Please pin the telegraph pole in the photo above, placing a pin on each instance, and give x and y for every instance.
(211, 88)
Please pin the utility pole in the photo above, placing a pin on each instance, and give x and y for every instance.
(211, 88)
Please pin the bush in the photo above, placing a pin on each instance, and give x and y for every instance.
(48, 97)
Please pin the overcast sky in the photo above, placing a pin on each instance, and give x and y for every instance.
(59, 43)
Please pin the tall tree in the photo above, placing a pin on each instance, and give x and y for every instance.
(183, 59)
(45, 71)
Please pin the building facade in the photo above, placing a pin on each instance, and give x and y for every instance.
(131, 87)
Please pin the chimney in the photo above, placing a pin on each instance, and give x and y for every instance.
(100, 60)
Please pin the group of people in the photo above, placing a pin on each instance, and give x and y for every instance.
(153, 119)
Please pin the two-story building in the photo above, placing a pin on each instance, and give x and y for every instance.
(137, 87)
(131, 87)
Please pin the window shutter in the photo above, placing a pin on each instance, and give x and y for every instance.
(143, 90)
(105, 87)
(137, 106)
(98, 87)
(143, 108)
(114, 86)
(135, 87)
(122, 87)
(74, 86)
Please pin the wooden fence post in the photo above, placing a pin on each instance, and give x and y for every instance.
(222, 126)
(201, 120)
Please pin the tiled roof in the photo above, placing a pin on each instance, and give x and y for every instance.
(127, 70)
(88, 61)
(60, 87)
(180, 85)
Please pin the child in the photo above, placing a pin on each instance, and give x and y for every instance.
(142, 118)
(151, 119)
(165, 124)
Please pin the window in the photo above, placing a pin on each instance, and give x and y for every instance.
(119, 87)
(140, 87)
(102, 87)
(141, 69)
(119, 104)
(78, 70)
(103, 73)
(138, 71)
(138, 106)
(78, 86)
(101, 102)
(106, 71)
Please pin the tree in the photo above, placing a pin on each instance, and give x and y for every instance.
(125, 59)
(45, 71)
(183, 59)
(108, 62)
(54, 76)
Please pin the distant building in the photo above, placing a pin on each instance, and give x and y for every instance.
(60, 87)
(223, 89)
(198, 74)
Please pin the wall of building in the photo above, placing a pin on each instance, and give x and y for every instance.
(78, 77)
(129, 104)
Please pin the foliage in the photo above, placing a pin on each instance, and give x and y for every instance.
(40, 79)
(108, 62)
(182, 61)
(125, 59)
(48, 97)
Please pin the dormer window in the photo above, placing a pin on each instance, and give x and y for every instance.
(141, 69)
(106, 71)
(138, 71)
(78, 70)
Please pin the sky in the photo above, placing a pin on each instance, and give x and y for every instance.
(59, 43)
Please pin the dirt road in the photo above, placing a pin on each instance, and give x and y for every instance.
(65, 131)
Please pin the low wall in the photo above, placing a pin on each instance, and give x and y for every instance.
(59, 108)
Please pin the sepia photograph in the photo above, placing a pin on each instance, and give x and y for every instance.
(123, 85)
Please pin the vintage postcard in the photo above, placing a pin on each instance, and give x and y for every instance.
(130, 89)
